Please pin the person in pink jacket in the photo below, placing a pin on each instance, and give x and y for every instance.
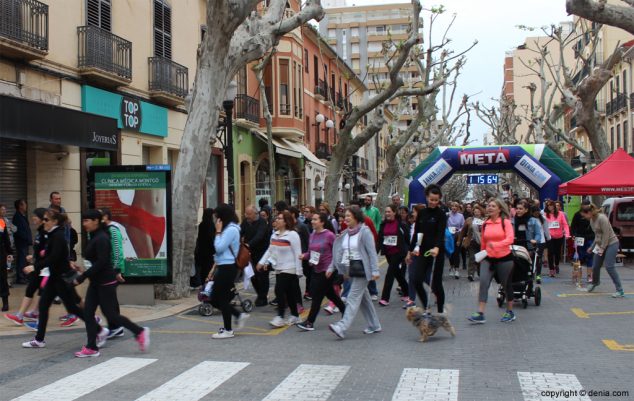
(559, 231)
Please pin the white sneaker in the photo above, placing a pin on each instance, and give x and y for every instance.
(329, 309)
(292, 320)
(336, 310)
(34, 344)
(456, 273)
(374, 297)
(239, 322)
(222, 333)
(102, 337)
(344, 299)
(277, 322)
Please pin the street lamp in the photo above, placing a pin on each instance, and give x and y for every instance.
(227, 126)
(329, 124)
(583, 159)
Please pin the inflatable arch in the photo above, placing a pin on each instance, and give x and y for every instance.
(537, 165)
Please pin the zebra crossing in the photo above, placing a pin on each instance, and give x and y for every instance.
(305, 383)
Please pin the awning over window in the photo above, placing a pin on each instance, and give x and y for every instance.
(365, 181)
(290, 148)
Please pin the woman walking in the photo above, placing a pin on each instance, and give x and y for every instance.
(204, 252)
(227, 245)
(393, 243)
(455, 222)
(283, 256)
(559, 231)
(319, 256)
(527, 229)
(497, 237)
(470, 239)
(430, 248)
(55, 267)
(541, 246)
(32, 292)
(355, 256)
(605, 248)
(102, 290)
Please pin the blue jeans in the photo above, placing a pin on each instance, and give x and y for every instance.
(609, 257)
(585, 257)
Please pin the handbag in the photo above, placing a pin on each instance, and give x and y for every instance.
(356, 269)
(244, 255)
(70, 276)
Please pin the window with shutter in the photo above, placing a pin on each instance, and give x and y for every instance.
(162, 29)
(99, 14)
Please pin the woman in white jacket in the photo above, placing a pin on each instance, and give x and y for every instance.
(283, 257)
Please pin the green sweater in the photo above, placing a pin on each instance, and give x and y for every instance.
(374, 214)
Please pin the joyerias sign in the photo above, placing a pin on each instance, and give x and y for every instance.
(483, 157)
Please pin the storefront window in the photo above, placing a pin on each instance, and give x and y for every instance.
(262, 182)
(212, 182)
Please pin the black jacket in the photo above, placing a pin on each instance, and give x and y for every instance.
(432, 223)
(580, 227)
(205, 251)
(22, 235)
(256, 235)
(99, 254)
(56, 254)
(304, 235)
(402, 238)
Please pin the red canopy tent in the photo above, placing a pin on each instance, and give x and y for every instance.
(612, 177)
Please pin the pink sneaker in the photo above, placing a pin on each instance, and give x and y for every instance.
(87, 353)
(15, 319)
(31, 315)
(383, 302)
(143, 339)
(300, 309)
(404, 299)
(70, 321)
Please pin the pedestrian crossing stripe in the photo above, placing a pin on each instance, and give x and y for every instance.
(537, 386)
(88, 380)
(305, 383)
(188, 387)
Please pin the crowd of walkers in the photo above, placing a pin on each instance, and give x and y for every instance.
(335, 251)
(52, 272)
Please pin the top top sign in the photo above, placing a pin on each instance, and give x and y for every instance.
(131, 113)
(483, 157)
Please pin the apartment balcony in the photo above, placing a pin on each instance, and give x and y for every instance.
(340, 101)
(104, 57)
(619, 103)
(321, 90)
(299, 112)
(23, 29)
(247, 108)
(168, 81)
(285, 109)
(323, 151)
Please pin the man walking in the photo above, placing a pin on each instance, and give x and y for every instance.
(372, 212)
(117, 259)
(22, 238)
(254, 231)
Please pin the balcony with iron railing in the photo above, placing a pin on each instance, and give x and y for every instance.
(617, 104)
(323, 151)
(321, 90)
(247, 108)
(23, 29)
(104, 56)
(299, 112)
(168, 81)
(285, 109)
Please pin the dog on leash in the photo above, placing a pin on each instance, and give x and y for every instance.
(576, 273)
(428, 325)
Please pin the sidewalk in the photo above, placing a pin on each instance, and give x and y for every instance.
(136, 313)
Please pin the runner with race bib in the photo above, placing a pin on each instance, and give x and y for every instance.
(394, 243)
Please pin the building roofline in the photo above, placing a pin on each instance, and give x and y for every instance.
(335, 10)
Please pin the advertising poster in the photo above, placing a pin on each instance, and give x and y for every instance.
(138, 199)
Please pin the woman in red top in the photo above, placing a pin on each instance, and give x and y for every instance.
(497, 238)
(559, 231)
(393, 243)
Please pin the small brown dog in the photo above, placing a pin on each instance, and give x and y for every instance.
(428, 324)
(577, 273)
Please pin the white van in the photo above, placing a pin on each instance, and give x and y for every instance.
(620, 212)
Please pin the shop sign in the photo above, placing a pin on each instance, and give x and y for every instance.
(131, 113)
(483, 157)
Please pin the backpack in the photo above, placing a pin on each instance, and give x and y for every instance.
(450, 245)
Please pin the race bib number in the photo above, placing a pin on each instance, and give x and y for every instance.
(390, 240)
(345, 260)
(453, 230)
(554, 224)
(477, 222)
(580, 241)
(521, 227)
(314, 258)
(45, 272)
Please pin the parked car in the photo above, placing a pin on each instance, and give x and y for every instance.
(620, 212)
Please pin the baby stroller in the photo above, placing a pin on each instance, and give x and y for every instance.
(205, 308)
(523, 277)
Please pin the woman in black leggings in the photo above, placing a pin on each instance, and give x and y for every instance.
(102, 291)
(57, 265)
(430, 236)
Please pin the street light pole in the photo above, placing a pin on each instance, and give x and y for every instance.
(227, 104)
